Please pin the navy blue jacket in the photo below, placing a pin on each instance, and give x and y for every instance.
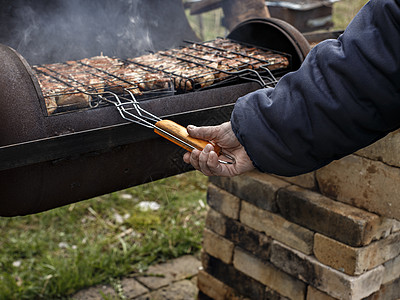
(345, 96)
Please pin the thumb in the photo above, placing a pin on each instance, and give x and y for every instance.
(204, 133)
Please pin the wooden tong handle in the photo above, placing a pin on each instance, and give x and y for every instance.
(179, 135)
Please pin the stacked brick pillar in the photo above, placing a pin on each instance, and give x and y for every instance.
(330, 234)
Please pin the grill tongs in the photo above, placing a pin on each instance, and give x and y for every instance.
(166, 128)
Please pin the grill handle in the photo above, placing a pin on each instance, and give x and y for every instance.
(179, 135)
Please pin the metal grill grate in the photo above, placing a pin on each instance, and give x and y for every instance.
(75, 85)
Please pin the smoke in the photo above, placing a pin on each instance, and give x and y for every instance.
(48, 31)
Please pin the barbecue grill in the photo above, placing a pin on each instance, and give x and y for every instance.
(53, 154)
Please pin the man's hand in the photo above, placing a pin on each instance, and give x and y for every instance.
(207, 162)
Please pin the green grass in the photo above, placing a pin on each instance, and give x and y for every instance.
(344, 11)
(207, 26)
(55, 253)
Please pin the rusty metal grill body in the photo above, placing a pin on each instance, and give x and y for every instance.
(53, 160)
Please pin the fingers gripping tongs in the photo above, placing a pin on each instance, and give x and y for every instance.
(165, 128)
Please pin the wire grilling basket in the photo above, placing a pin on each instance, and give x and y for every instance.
(76, 85)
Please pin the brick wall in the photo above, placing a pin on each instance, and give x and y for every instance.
(330, 234)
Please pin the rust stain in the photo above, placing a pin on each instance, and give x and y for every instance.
(372, 169)
(329, 187)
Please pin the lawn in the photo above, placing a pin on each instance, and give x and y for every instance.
(344, 11)
(55, 253)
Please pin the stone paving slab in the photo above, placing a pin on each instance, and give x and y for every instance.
(180, 290)
(173, 280)
(98, 292)
(132, 288)
(174, 270)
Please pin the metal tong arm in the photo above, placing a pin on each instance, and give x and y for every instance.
(142, 117)
(165, 128)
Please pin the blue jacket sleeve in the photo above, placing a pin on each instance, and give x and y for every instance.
(345, 96)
